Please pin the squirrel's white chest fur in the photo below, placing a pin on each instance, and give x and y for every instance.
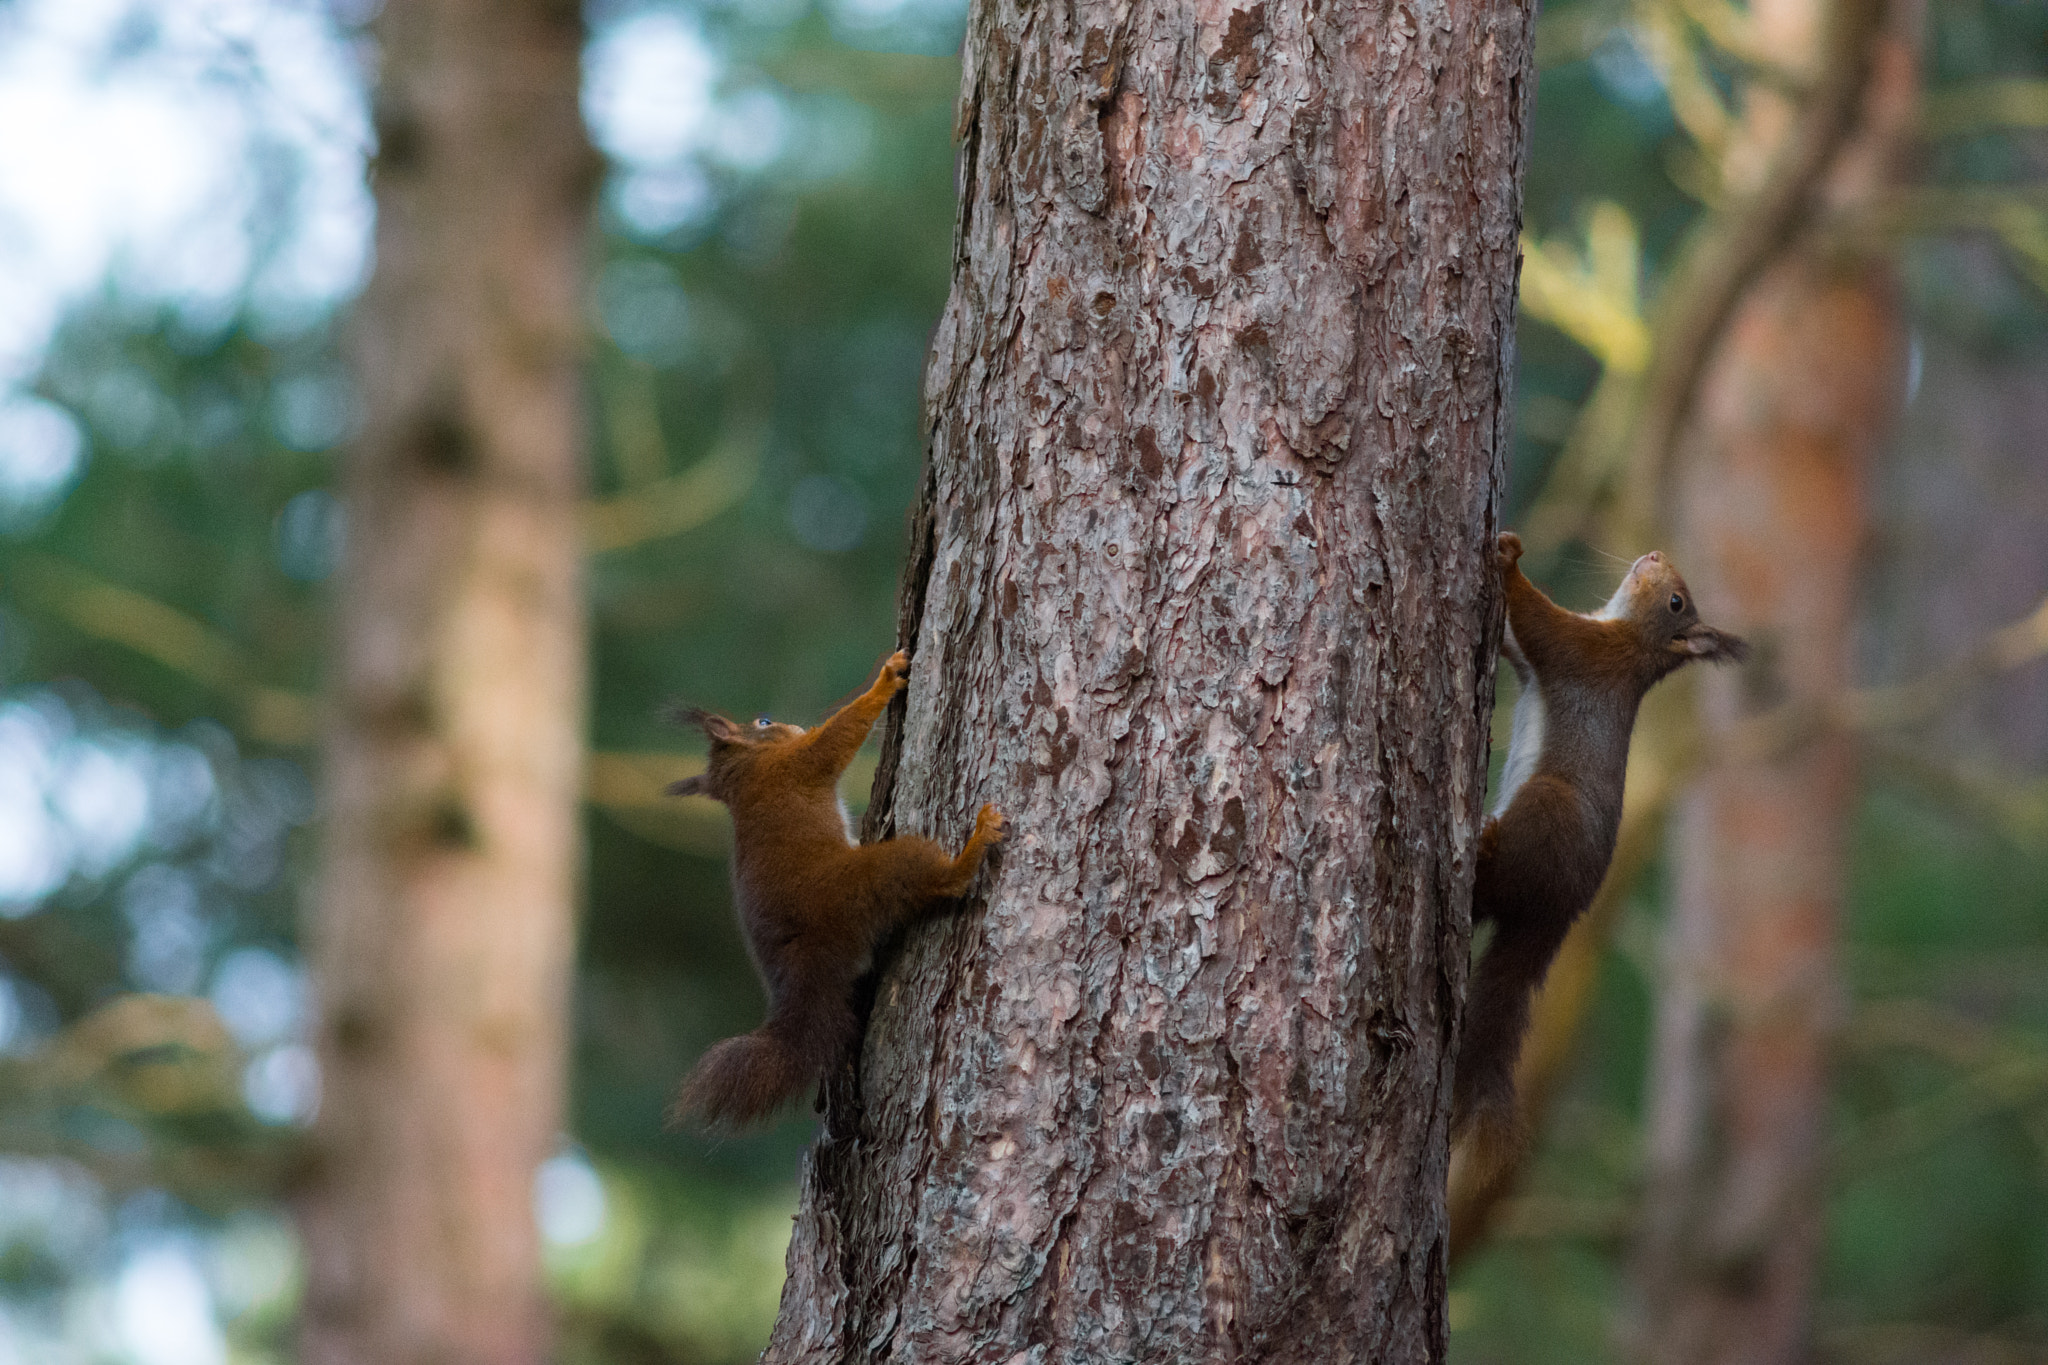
(1525, 742)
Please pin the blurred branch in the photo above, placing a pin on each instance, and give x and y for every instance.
(627, 786)
(2023, 229)
(2002, 1072)
(1541, 1218)
(168, 636)
(2016, 215)
(1575, 32)
(1665, 38)
(1593, 296)
(1585, 467)
(146, 1092)
(682, 502)
(1730, 251)
(1633, 421)
(1921, 1026)
(1733, 29)
(1984, 106)
(871, 76)
(2018, 806)
(1911, 1343)
(183, 643)
(254, 75)
(1862, 710)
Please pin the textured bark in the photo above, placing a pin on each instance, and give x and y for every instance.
(444, 936)
(1773, 523)
(1199, 596)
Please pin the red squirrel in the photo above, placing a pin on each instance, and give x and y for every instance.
(813, 903)
(1545, 849)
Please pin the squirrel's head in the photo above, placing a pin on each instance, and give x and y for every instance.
(733, 747)
(1653, 598)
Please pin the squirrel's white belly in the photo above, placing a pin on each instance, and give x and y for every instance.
(1525, 744)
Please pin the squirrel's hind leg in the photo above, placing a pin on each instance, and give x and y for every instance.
(910, 876)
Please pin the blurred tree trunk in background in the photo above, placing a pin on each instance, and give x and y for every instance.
(1200, 593)
(444, 937)
(1772, 522)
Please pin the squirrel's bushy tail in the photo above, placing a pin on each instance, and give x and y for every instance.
(741, 1080)
(1488, 1137)
(1483, 1110)
(745, 1079)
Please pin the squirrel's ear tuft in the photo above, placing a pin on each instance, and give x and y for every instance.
(1714, 646)
(689, 786)
(715, 727)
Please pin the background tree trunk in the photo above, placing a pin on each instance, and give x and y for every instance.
(1200, 594)
(445, 930)
(1772, 528)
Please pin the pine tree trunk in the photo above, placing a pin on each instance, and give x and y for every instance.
(1773, 524)
(1200, 595)
(443, 943)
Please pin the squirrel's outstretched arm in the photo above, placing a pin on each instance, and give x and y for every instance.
(830, 746)
(1540, 627)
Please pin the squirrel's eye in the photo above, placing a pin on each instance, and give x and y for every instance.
(1677, 602)
(764, 722)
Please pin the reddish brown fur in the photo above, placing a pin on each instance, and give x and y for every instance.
(813, 904)
(1543, 856)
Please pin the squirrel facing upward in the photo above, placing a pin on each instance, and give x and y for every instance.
(812, 902)
(1545, 849)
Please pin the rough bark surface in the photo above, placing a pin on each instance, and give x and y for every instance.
(444, 934)
(1199, 595)
(1773, 524)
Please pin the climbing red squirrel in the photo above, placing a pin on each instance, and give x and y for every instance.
(813, 903)
(1545, 849)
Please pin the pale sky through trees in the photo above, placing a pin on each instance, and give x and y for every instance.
(200, 152)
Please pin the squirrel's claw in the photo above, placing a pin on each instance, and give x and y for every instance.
(895, 674)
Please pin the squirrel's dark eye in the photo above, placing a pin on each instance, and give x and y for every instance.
(764, 722)
(1677, 603)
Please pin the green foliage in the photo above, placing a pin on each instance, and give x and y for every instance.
(175, 595)
(681, 1270)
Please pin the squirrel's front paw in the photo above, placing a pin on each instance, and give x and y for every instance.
(991, 825)
(1509, 550)
(895, 674)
